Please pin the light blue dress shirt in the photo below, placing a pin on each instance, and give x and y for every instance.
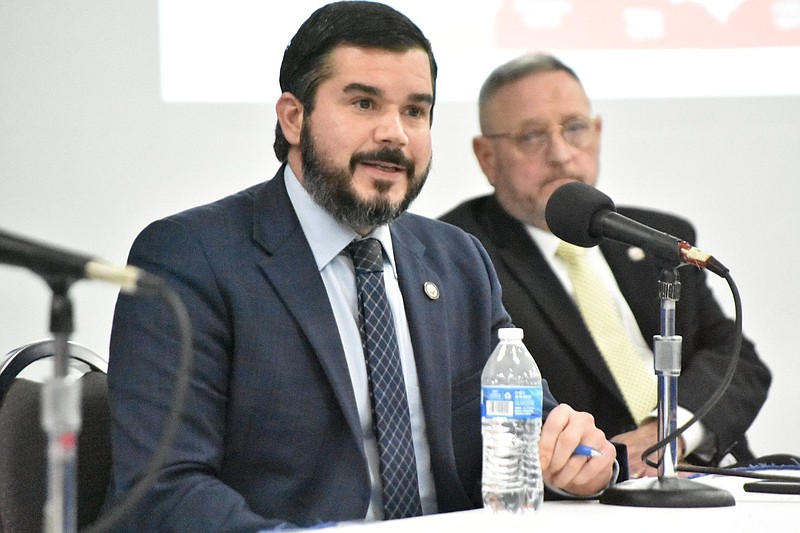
(328, 239)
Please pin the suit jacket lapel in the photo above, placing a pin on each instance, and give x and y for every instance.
(426, 319)
(290, 268)
(526, 263)
(634, 275)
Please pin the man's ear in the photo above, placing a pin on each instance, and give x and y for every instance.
(484, 153)
(290, 116)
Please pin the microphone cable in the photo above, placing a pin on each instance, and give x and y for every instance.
(726, 380)
(582, 215)
(110, 518)
(711, 402)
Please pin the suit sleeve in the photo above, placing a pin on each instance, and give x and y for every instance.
(549, 402)
(708, 345)
(142, 372)
(707, 349)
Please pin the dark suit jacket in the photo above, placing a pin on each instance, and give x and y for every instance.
(271, 432)
(562, 346)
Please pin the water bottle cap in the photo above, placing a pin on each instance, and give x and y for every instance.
(510, 334)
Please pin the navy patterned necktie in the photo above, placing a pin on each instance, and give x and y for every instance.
(387, 388)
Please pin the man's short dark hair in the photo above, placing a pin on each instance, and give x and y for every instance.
(356, 23)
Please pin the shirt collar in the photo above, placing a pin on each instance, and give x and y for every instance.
(546, 241)
(326, 236)
(548, 244)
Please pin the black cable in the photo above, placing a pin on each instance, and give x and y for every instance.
(738, 472)
(712, 401)
(116, 513)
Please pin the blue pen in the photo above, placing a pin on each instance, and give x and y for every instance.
(586, 451)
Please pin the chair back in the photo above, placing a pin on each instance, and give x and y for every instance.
(23, 442)
(34, 361)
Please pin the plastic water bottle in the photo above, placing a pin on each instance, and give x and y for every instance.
(511, 417)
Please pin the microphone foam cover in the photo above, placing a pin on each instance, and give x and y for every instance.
(571, 210)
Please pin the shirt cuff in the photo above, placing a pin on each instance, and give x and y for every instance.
(612, 481)
(695, 435)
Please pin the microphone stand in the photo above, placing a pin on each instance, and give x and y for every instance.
(61, 419)
(667, 490)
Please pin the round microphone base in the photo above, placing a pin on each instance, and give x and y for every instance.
(666, 492)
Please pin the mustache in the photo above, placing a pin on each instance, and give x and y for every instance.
(392, 156)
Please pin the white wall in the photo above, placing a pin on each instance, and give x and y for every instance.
(89, 154)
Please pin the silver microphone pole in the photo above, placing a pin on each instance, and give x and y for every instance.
(61, 422)
(667, 366)
(667, 490)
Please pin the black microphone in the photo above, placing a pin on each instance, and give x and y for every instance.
(49, 261)
(582, 215)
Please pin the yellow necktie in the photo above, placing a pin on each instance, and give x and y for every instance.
(635, 380)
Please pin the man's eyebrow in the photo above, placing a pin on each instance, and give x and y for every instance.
(362, 88)
(422, 98)
(375, 91)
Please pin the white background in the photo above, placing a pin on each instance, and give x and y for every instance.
(93, 147)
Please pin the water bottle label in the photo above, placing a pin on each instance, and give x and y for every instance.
(511, 402)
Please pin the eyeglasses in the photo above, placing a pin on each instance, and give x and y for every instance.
(577, 132)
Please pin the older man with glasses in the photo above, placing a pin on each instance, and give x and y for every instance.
(538, 133)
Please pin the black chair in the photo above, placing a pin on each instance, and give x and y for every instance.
(32, 361)
(23, 442)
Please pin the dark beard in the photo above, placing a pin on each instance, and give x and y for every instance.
(332, 188)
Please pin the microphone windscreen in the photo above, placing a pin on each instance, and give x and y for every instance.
(571, 210)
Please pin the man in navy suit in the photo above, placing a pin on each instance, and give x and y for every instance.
(537, 133)
(277, 427)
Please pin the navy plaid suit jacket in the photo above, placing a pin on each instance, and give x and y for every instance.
(271, 431)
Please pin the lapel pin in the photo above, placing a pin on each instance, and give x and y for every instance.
(431, 290)
(635, 254)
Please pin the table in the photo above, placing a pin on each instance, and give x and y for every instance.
(763, 513)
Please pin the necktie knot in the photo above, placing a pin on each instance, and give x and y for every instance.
(367, 255)
(569, 252)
